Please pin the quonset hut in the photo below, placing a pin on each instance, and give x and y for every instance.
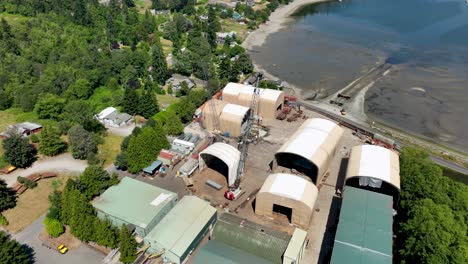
(269, 103)
(222, 157)
(374, 168)
(233, 119)
(288, 194)
(311, 148)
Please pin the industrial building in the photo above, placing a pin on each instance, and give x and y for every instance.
(364, 233)
(269, 103)
(222, 157)
(237, 240)
(135, 204)
(374, 168)
(182, 229)
(230, 119)
(311, 148)
(288, 194)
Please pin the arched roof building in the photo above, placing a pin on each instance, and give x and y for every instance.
(228, 154)
(374, 168)
(268, 104)
(232, 118)
(311, 148)
(289, 191)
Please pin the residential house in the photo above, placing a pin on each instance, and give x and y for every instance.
(25, 129)
(176, 80)
(221, 36)
(111, 117)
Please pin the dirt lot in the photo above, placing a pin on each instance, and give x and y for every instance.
(32, 203)
(323, 223)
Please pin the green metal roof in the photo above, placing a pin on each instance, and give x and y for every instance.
(181, 226)
(364, 233)
(255, 239)
(217, 252)
(150, 169)
(133, 201)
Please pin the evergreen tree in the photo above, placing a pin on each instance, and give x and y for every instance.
(106, 234)
(128, 246)
(144, 148)
(7, 196)
(244, 63)
(148, 105)
(18, 151)
(50, 107)
(50, 143)
(131, 101)
(93, 181)
(13, 252)
(159, 65)
(213, 26)
(81, 142)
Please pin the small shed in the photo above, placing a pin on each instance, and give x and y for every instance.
(151, 169)
(182, 229)
(189, 167)
(133, 202)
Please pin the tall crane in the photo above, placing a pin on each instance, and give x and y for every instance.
(234, 191)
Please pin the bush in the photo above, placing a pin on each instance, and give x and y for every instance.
(3, 221)
(34, 138)
(27, 182)
(53, 227)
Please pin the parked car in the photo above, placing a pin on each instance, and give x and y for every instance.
(62, 249)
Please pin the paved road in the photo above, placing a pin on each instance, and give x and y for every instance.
(64, 162)
(43, 255)
(450, 165)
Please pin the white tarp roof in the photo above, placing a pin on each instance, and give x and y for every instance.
(314, 133)
(228, 154)
(234, 109)
(288, 185)
(237, 88)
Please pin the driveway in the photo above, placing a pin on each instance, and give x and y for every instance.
(42, 254)
(121, 131)
(60, 163)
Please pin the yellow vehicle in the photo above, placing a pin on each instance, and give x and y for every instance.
(62, 249)
(11, 168)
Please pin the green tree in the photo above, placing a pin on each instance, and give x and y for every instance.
(50, 143)
(50, 107)
(128, 246)
(55, 200)
(121, 161)
(81, 142)
(18, 151)
(159, 65)
(148, 105)
(144, 148)
(7, 196)
(244, 63)
(13, 252)
(106, 234)
(93, 181)
(80, 112)
(81, 89)
(53, 227)
(131, 101)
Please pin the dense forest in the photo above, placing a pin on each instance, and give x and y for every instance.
(431, 224)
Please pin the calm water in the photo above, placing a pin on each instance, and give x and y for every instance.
(328, 45)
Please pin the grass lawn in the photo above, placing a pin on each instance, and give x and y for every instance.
(230, 25)
(110, 149)
(166, 45)
(165, 100)
(12, 19)
(142, 5)
(33, 203)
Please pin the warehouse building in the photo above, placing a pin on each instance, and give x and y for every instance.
(364, 233)
(288, 194)
(311, 148)
(237, 240)
(231, 119)
(182, 229)
(135, 204)
(269, 103)
(374, 168)
(223, 158)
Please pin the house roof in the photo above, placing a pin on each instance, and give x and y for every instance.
(364, 233)
(217, 252)
(106, 112)
(133, 201)
(29, 126)
(181, 226)
(122, 117)
(262, 241)
(228, 154)
(291, 187)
